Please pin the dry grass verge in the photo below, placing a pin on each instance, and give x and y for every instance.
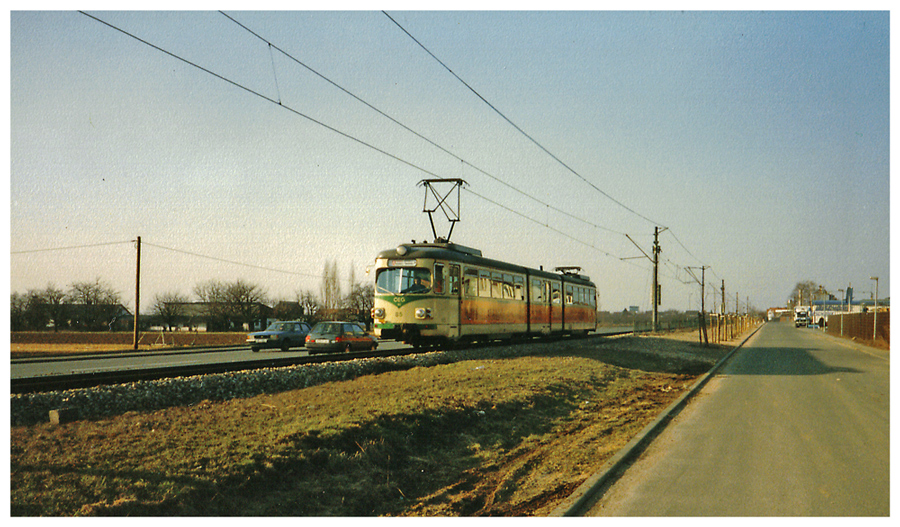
(508, 437)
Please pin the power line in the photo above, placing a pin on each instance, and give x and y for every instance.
(70, 247)
(359, 141)
(261, 96)
(533, 140)
(407, 128)
(514, 125)
(233, 262)
(547, 226)
(286, 107)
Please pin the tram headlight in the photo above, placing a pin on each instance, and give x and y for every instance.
(377, 312)
(401, 250)
(423, 313)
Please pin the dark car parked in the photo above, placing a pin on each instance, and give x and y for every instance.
(282, 334)
(339, 336)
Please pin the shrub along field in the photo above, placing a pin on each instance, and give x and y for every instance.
(491, 437)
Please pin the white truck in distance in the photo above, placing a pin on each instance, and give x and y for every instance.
(801, 318)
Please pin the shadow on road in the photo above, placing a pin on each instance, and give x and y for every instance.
(781, 361)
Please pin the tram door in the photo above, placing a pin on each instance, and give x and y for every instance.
(540, 315)
(556, 307)
(456, 300)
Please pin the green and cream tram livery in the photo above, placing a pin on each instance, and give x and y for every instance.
(431, 293)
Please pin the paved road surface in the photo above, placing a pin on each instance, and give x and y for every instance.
(28, 368)
(796, 424)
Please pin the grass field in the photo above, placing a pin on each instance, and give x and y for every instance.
(506, 437)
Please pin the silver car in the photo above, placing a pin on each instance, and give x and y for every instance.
(282, 334)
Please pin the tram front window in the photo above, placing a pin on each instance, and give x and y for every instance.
(401, 281)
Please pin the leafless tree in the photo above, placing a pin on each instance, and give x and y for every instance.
(19, 319)
(38, 308)
(805, 292)
(53, 301)
(169, 307)
(212, 293)
(311, 306)
(244, 300)
(360, 302)
(102, 304)
(331, 289)
(231, 305)
(93, 293)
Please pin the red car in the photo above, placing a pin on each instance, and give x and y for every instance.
(339, 336)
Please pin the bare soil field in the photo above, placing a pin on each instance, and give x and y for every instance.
(39, 343)
(504, 437)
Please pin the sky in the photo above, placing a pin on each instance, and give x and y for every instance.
(756, 142)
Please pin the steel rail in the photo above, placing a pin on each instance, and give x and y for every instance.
(92, 379)
(70, 381)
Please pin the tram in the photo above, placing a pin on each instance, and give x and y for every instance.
(439, 293)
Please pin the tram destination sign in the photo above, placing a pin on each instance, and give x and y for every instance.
(401, 263)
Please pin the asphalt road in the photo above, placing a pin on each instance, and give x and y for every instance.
(23, 369)
(796, 424)
(30, 368)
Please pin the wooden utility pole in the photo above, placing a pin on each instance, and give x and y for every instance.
(704, 337)
(875, 316)
(723, 297)
(655, 260)
(137, 295)
(656, 289)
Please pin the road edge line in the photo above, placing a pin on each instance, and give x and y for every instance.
(610, 471)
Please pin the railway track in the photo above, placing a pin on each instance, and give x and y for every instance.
(92, 379)
(88, 380)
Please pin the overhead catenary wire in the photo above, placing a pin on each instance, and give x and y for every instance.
(282, 105)
(532, 139)
(260, 95)
(514, 125)
(279, 102)
(547, 226)
(409, 129)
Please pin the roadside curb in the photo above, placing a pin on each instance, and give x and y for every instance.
(612, 469)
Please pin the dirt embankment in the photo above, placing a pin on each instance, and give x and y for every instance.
(485, 437)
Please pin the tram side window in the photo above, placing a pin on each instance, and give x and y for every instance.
(470, 282)
(438, 285)
(519, 286)
(536, 296)
(508, 291)
(570, 297)
(454, 279)
(484, 284)
(555, 295)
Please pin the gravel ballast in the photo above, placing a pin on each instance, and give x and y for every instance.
(105, 401)
(144, 396)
